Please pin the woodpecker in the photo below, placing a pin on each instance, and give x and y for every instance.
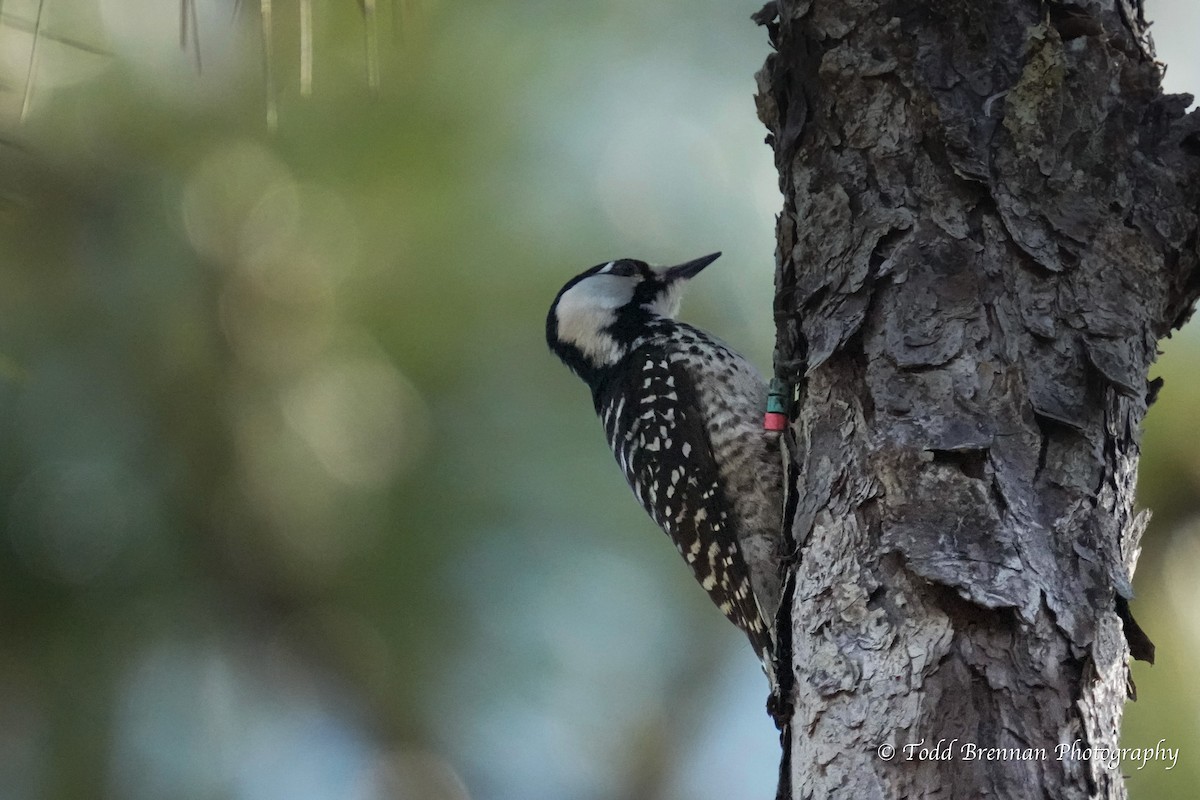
(683, 414)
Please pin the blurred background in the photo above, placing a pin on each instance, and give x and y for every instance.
(294, 503)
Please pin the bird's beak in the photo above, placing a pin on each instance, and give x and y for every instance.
(690, 269)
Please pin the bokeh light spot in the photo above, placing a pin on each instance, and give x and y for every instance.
(70, 521)
(223, 201)
(361, 418)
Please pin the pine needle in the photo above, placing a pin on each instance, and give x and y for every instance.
(371, 25)
(33, 49)
(188, 21)
(264, 8)
(306, 48)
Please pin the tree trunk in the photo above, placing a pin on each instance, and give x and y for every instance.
(989, 221)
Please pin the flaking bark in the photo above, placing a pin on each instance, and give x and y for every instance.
(989, 222)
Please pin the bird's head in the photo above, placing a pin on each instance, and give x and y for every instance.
(600, 313)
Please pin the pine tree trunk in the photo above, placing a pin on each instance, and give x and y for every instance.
(989, 222)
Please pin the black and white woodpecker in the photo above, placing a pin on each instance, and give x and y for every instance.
(683, 413)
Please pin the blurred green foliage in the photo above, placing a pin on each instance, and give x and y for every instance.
(293, 501)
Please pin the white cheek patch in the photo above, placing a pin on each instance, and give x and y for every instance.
(586, 309)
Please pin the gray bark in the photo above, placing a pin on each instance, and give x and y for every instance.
(989, 222)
